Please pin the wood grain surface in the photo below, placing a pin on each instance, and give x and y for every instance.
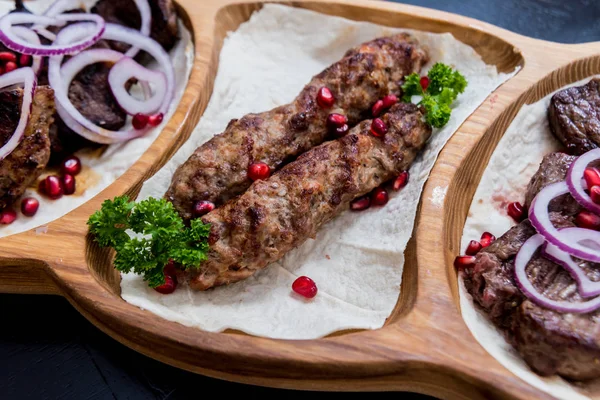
(415, 351)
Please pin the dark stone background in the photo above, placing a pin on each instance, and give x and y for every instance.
(48, 351)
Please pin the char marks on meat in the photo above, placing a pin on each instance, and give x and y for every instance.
(574, 116)
(277, 215)
(24, 165)
(217, 170)
(549, 341)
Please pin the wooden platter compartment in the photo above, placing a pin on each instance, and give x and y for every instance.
(424, 346)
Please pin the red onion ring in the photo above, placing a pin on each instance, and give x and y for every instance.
(146, 15)
(27, 77)
(15, 43)
(576, 182)
(522, 259)
(31, 37)
(125, 69)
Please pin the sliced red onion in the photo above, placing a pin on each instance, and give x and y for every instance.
(146, 16)
(43, 32)
(576, 182)
(523, 257)
(15, 43)
(33, 38)
(124, 70)
(27, 77)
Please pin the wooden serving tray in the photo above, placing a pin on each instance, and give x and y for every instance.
(425, 346)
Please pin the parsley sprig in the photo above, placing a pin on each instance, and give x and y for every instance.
(161, 236)
(445, 84)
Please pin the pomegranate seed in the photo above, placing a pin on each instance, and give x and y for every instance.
(10, 66)
(424, 82)
(29, 206)
(595, 194)
(53, 187)
(473, 248)
(156, 119)
(377, 108)
(170, 269)
(68, 182)
(380, 197)
(169, 286)
(401, 180)
(7, 217)
(588, 220)
(325, 99)
(25, 60)
(8, 56)
(335, 121)
(516, 211)
(389, 101)
(591, 176)
(203, 207)
(341, 131)
(258, 171)
(305, 287)
(462, 262)
(487, 239)
(71, 166)
(378, 127)
(361, 203)
(140, 121)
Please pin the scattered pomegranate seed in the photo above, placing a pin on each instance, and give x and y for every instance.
(424, 82)
(10, 66)
(378, 127)
(515, 211)
(473, 248)
(156, 119)
(595, 194)
(258, 171)
(71, 166)
(7, 217)
(140, 121)
(305, 287)
(591, 176)
(361, 203)
(68, 182)
(341, 131)
(203, 207)
(380, 197)
(53, 187)
(335, 121)
(588, 220)
(25, 60)
(170, 269)
(487, 239)
(8, 56)
(401, 180)
(462, 262)
(325, 98)
(389, 101)
(29, 206)
(377, 108)
(169, 286)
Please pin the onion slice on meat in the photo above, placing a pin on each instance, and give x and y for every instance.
(576, 182)
(523, 257)
(33, 38)
(27, 77)
(125, 69)
(16, 43)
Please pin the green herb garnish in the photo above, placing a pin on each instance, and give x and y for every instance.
(162, 236)
(445, 84)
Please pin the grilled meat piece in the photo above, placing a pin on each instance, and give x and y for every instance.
(574, 116)
(278, 214)
(124, 12)
(25, 164)
(217, 171)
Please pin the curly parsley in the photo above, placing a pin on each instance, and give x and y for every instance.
(445, 84)
(161, 236)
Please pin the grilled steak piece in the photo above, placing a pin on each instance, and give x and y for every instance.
(278, 214)
(217, 171)
(25, 164)
(124, 12)
(574, 116)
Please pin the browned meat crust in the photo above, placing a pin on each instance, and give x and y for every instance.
(25, 164)
(276, 215)
(217, 170)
